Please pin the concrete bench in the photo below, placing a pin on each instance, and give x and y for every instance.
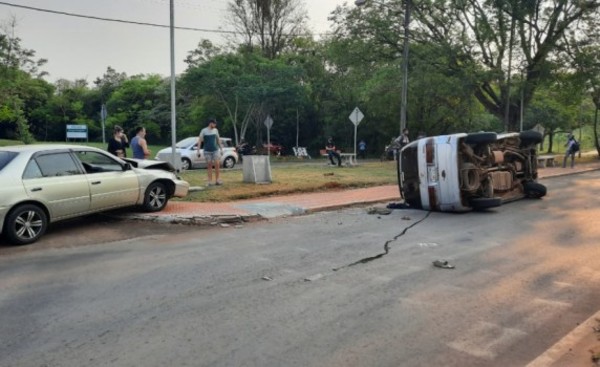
(348, 159)
(546, 161)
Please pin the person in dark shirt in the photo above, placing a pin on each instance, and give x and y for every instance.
(118, 143)
(332, 152)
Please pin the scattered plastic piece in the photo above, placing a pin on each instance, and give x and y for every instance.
(442, 264)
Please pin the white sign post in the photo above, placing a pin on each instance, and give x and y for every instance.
(356, 117)
(268, 123)
(103, 118)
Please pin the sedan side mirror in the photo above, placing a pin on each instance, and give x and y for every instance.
(127, 167)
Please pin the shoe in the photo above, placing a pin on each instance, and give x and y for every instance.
(219, 182)
(209, 184)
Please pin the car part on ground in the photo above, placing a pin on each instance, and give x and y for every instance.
(42, 184)
(462, 172)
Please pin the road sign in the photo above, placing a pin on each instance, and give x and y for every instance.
(268, 122)
(356, 116)
(77, 132)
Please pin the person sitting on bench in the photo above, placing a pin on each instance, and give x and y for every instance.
(331, 152)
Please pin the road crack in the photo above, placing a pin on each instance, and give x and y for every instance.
(386, 246)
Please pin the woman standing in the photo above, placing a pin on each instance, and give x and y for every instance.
(118, 143)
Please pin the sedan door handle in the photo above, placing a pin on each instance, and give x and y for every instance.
(36, 189)
(96, 182)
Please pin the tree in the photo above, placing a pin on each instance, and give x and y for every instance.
(270, 25)
(247, 85)
(141, 100)
(485, 42)
(21, 86)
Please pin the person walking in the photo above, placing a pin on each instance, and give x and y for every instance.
(332, 152)
(572, 148)
(362, 149)
(212, 150)
(118, 144)
(139, 146)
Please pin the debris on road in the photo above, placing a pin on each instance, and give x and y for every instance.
(398, 206)
(267, 278)
(312, 278)
(378, 210)
(442, 264)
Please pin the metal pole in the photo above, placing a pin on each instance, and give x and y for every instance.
(355, 131)
(522, 101)
(405, 67)
(173, 112)
(507, 107)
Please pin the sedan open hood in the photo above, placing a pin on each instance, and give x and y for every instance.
(150, 164)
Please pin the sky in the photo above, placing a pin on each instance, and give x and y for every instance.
(81, 48)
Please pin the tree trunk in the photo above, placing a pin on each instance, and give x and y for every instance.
(596, 143)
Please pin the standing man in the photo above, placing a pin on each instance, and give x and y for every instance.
(331, 152)
(362, 149)
(400, 142)
(572, 148)
(212, 150)
(404, 139)
(139, 146)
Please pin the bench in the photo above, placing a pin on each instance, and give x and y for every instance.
(323, 152)
(546, 161)
(348, 159)
(300, 152)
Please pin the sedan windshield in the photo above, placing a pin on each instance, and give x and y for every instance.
(5, 158)
(185, 143)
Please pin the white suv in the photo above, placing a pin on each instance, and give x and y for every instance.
(189, 154)
(460, 172)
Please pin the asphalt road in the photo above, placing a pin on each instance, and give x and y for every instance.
(343, 288)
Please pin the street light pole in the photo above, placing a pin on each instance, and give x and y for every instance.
(405, 68)
(405, 46)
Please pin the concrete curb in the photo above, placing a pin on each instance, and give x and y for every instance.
(566, 345)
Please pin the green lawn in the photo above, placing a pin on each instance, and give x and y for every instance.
(292, 177)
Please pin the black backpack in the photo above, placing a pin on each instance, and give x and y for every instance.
(575, 146)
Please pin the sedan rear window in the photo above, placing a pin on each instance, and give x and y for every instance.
(5, 158)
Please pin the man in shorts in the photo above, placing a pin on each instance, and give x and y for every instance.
(212, 150)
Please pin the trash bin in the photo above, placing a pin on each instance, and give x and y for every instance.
(257, 169)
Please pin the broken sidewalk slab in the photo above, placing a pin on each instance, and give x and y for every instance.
(272, 210)
(442, 264)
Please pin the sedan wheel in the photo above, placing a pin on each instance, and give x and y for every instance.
(156, 197)
(26, 224)
(185, 164)
(229, 162)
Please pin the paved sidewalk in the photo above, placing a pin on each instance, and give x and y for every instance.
(278, 206)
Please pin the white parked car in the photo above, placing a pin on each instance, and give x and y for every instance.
(461, 172)
(41, 184)
(189, 154)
